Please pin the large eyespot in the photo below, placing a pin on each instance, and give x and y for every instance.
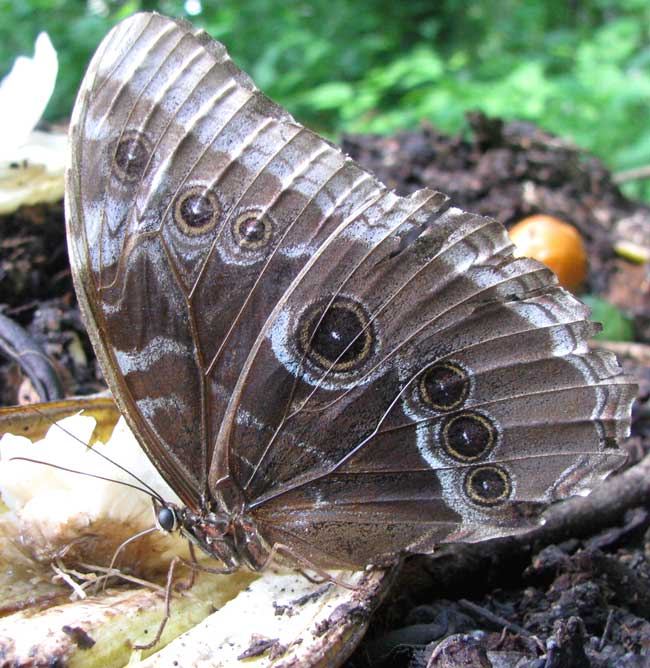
(252, 230)
(132, 155)
(468, 437)
(336, 336)
(444, 386)
(488, 485)
(196, 210)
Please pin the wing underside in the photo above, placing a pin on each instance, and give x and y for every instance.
(377, 373)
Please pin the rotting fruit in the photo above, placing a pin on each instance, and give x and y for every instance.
(555, 243)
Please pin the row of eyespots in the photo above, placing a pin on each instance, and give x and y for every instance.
(196, 209)
(466, 436)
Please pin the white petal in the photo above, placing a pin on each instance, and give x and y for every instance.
(24, 94)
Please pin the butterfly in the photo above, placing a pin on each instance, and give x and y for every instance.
(324, 371)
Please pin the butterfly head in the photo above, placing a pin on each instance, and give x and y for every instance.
(215, 533)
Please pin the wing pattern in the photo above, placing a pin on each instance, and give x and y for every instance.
(376, 373)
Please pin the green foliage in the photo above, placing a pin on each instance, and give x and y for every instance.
(616, 325)
(581, 70)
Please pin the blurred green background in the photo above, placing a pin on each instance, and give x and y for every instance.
(578, 69)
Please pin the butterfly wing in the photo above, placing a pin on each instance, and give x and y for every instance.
(166, 182)
(183, 183)
(377, 373)
(432, 391)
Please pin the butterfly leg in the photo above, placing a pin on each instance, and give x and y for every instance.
(194, 567)
(168, 597)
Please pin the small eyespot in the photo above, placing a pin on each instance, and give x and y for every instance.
(488, 485)
(252, 230)
(131, 156)
(337, 337)
(196, 210)
(167, 519)
(444, 386)
(468, 437)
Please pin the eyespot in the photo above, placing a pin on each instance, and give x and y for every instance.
(252, 230)
(132, 156)
(468, 437)
(337, 336)
(488, 485)
(196, 210)
(444, 387)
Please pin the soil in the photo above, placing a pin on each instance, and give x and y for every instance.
(579, 601)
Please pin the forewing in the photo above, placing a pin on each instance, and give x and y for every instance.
(193, 202)
(175, 162)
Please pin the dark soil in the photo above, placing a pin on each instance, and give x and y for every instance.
(581, 602)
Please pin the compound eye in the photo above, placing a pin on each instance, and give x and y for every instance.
(167, 519)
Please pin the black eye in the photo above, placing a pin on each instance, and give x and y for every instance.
(444, 387)
(468, 436)
(337, 336)
(131, 156)
(167, 519)
(196, 210)
(488, 485)
(252, 230)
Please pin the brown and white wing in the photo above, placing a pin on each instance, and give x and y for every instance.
(417, 385)
(175, 158)
(193, 203)
(377, 373)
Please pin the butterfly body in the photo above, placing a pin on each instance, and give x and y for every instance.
(314, 363)
(231, 539)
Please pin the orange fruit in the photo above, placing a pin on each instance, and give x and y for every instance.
(555, 243)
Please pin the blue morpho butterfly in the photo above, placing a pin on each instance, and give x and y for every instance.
(325, 372)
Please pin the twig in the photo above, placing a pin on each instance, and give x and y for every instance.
(634, 174)
(114, 572)
(494, 618)
(76, 589)
(608, 624)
